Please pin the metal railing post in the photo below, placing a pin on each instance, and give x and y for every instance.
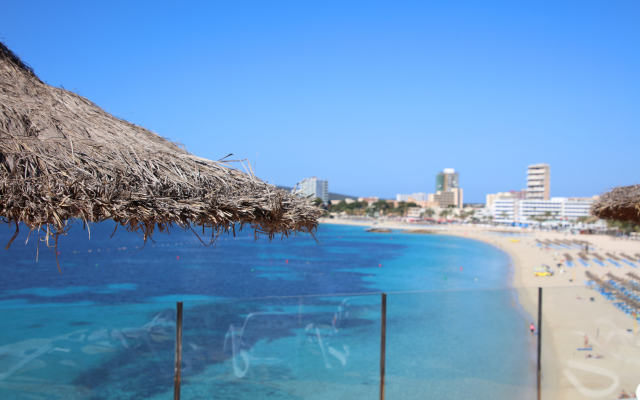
(539, 342)
(383, 343)
(176, 388)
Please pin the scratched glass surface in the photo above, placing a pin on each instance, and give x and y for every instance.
(593, 350)
(87, 352)
(309, 347)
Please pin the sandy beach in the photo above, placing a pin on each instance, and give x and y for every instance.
(575, 316)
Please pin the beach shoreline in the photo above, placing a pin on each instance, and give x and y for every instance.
(567, 315)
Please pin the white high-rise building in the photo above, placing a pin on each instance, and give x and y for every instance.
(538, 182)
(314, 187)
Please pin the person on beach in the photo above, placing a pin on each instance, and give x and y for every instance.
(586, 341)
(533, 328)
(623, 395)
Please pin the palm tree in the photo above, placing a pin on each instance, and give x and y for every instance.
(465, 215)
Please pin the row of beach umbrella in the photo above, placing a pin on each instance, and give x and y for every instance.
(585, 256)
(614, 260)
(624, 293)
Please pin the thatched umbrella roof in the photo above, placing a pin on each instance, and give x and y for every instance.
(64, 158)
(620, 204)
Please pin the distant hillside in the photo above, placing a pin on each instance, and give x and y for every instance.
(332, 196)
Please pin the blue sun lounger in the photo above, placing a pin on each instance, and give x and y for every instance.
(570, 264)
(614, 263)
(600, 263)
(630, 263)
(583, 262)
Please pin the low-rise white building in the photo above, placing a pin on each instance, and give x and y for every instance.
(369, 200)
(415, 197)
(414, 212)
(504, 210)
(510, 195)
(523, 211)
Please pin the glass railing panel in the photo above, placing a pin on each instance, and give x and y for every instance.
(590, 339)
(316, 347)
(88, 352)
(461, 345)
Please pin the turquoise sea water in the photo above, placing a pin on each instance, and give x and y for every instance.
(286, 319)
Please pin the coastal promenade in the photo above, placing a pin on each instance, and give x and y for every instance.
(575, 316)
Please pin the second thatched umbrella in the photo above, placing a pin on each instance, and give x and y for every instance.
(620, 204)
(63, 158)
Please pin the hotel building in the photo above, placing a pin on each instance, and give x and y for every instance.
(512, 194)
(522, 211)
(448, 190)
(444, 199)
(447, 180)
(314, 187)
(538, 182)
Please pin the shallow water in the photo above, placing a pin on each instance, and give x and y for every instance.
(455, 340)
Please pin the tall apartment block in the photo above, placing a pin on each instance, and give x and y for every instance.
(538, 182)
(448, 191)
(447, 180)
(314, 187)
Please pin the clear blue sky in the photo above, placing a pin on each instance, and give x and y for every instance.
(376, 97)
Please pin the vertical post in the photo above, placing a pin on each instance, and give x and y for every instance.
(176, 387)
(300, 312)
(539, 342)
(383, 342)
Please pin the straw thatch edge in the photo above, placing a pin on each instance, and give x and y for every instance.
(619, 204)
(62, 158)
